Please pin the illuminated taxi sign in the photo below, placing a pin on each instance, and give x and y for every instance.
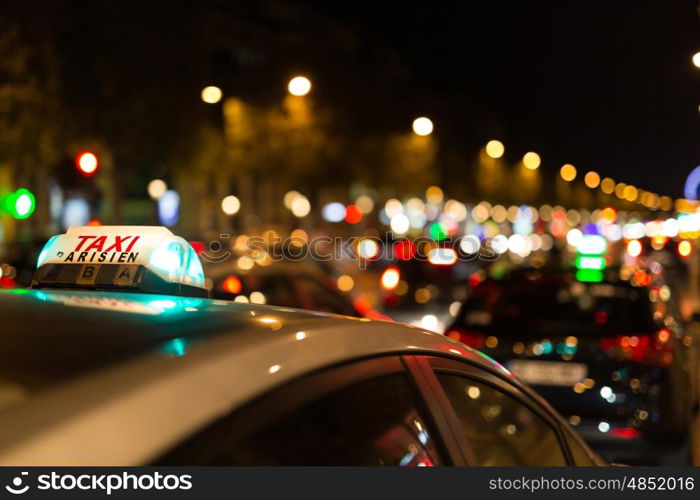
(136, 258)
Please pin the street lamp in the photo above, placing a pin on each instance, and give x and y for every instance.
(211, 94)
(495, 149)
(230, 205)
(157, 188)
(591, 179)
(299, 86)
(696, 59)
(422, 126)
(531, 160)
(568, 172)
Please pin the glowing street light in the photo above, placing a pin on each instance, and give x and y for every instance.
(300, 206)
(495, 149)
(299, 86)
(568, 172)
(531, 160)
(157, 188)
(422, 126)
(592, 179)
(230, 205)
(696, 59)
(607, 185)
(211, 94)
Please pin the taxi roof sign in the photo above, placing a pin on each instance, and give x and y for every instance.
(137, 258)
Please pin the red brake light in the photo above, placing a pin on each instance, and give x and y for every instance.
(625, 432)
(404, 249)
(232, 285)
(644, 348)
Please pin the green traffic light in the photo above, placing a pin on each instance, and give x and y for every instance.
(438, 231)
(20, 204)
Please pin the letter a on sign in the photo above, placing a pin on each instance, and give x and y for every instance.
(125, 275)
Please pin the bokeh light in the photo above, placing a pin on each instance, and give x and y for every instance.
(333, 212)
(86, 162)
(531, 160)
(289, 197)
(422, 126)
(353, 214)
(607, 185)
(299, 86)
(434, 195)
(400, 224)
(300, 206)
(211, 94)
(567, 172)
(630, 193)
(230, 205)
(592, 179)
(495, 149)
(157, 188)
(365, 203)
(345, 283)
(634, 248)
(390, 278)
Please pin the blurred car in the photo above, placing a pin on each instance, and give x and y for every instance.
(289, 284)
(420, 291)
(126, 362)
(610, 356)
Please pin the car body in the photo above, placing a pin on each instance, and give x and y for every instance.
(610, 356)
(112, 378)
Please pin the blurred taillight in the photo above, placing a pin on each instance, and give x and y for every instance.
(625, 432)
(467, 337)
(644, 348)
(232, 285)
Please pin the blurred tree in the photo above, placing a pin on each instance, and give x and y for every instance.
(30, 117)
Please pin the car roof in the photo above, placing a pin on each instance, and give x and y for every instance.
(137, 359)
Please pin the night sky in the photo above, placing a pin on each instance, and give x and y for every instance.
(608, 86)
(605, 85)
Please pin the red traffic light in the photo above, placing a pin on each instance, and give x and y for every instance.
(87, 163)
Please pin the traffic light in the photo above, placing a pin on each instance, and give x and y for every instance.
(19, 204)
(87, 163)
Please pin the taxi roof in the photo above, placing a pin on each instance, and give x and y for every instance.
(51, 335)
(137, 358)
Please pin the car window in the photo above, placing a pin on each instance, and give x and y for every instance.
(578, 453)
(500, 430)
(374, 422)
